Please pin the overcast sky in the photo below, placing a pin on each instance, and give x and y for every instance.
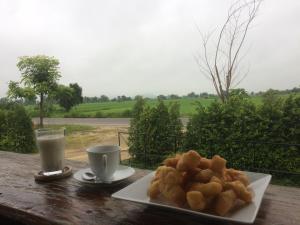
(144, 46)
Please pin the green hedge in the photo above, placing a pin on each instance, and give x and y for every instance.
(156, 131)
(249, 136)
(16, 129)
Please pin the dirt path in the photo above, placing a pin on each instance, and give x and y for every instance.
(116, 122)
(77, 143)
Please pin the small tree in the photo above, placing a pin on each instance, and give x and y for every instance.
(104, 98)
(138, 108)
(135, 139)
(77, 93)
(64, 97)
(192, 95)
(161, 97)
(203, 95)
(222, 67)
(173, 96)
(67, 97)
(39, 74)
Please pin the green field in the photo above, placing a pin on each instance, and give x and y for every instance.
(122, 109)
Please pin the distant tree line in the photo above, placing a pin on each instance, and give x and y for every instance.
(105, 98)
(62, 96)
(282, 92)
(122, 98)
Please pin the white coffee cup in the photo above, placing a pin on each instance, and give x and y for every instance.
(104, 161)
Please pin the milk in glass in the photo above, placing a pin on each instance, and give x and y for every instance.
(51, 148)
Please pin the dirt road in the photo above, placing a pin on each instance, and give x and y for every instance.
(78, 142)
(92, 121)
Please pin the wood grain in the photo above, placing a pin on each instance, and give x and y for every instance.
(68, 202)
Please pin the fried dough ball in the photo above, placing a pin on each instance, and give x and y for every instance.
(218, 164)
(217, 180)
(224, 202)
(205, 163)
(188, 161)
(189, 185)
(174, 193)
(238, 175)
(240, 190)
(157, 174)
(169, 184)
(210, 189)
(204, 175)
(200, 182)
(189, 176)
(243, 178)
(172, 162)
(153, 190)
(169, 175)
(196, 200)
(227, 177)
(232, 172)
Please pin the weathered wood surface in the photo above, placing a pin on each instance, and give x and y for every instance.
(68, 202)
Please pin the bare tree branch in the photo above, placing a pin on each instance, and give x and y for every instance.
(223, 67)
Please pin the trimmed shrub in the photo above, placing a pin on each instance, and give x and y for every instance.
(154, 132)
(16, 129)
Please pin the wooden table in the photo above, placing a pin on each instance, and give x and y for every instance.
(68, 202)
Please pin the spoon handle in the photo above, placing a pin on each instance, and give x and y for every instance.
(88, 176)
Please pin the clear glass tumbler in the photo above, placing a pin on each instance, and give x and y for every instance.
(51, 144)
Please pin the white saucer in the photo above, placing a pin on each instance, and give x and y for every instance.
(122, 173)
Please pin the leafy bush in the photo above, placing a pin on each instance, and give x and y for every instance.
(99, 114)
(74, 114)
(126, 113)
(16, 129)
(154, 132)
(249, 136)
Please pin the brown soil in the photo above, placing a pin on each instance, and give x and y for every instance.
(77, 143)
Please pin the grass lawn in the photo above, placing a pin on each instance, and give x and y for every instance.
(122, 109)
(70, 129)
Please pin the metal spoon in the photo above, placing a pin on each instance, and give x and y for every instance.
(89, 176)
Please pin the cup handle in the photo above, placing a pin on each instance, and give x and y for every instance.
(104, 158)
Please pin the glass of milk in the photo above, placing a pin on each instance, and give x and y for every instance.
(51, 143)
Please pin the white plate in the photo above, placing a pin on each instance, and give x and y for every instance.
(122, 173)
(137, 192)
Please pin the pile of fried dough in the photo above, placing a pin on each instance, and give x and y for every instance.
(200, 183)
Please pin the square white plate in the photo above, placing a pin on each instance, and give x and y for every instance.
(137, 192)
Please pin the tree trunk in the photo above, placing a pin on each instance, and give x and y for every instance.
(41, 110)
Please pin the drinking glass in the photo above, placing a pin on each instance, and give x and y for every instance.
(51, 144)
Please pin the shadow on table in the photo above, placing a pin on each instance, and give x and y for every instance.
(6, 221)
(104, 190)
(155, 215)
